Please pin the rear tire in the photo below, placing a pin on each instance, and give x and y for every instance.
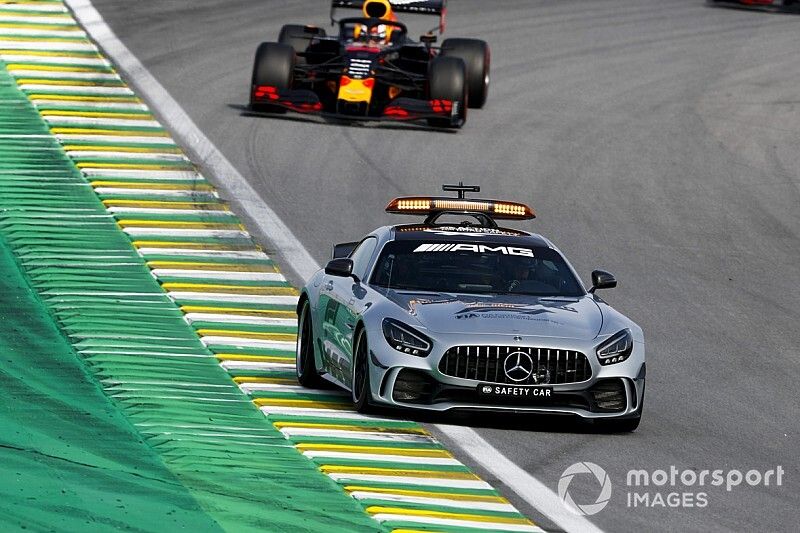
(361, 387)
(477, 57)
(447, 79)
(306, 363)
(273, 67)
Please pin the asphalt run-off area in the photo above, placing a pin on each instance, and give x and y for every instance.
(154, 236)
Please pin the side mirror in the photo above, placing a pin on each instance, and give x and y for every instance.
(343, 250)
(602, 280)
(428, 38)
(342, 268)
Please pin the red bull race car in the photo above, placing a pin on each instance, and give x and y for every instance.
(769, 5)
(373, 69)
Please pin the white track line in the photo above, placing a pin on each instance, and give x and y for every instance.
(218, 274)
(470, 443)
(413, 480)
(444, 502)
(386, 458)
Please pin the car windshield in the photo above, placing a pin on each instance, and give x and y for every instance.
(474, 268)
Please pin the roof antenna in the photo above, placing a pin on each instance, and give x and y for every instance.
(461, 189)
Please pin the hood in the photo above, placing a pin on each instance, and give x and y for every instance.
(567, 318)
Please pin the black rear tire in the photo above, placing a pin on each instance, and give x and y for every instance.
(306, 363)
(274, 67)
(447, 79)
(362, 390)
(477, 58)
(299, 37)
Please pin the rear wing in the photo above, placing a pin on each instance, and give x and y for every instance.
(419, 7)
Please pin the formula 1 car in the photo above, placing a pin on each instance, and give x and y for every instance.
(372, 70)
(792, 6)
(466, 315)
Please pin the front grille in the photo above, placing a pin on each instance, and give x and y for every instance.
(413, 386)
(488, 363)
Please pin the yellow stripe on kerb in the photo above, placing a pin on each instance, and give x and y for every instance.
(435, 474)
(49, 27)
(428, 494)
(50, 68)
(95, 114)
(308, 404)
(378, 450)
(417, 531)
(232, 289)
(29, 39)
(94, 99)
(375, 509)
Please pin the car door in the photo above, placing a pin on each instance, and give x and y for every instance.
(341, 298)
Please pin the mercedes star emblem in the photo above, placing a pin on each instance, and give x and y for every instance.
(518, 366)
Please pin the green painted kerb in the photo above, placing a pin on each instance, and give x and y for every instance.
(175, 445)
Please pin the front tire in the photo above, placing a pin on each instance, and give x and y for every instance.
(306, 363)
(477, 59)
(273, 67)
(299, 38)
(361, 387)
(448, 81)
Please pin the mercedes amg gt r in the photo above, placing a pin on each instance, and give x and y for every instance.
(458, 313)
(372, 70)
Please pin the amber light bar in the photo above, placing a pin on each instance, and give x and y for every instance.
(427, 205)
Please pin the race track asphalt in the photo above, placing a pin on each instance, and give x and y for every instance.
(655, 139)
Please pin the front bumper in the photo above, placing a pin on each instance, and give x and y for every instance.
(408, 382)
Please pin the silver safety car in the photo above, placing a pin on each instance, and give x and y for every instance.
(458, 313)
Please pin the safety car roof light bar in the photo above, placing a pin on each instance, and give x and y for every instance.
(485, 211)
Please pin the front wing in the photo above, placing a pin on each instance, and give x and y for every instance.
(398, 110)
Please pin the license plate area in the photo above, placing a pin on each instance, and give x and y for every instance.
(526, 393)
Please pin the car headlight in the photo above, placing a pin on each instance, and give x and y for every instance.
(406, 339)
(616, 349)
